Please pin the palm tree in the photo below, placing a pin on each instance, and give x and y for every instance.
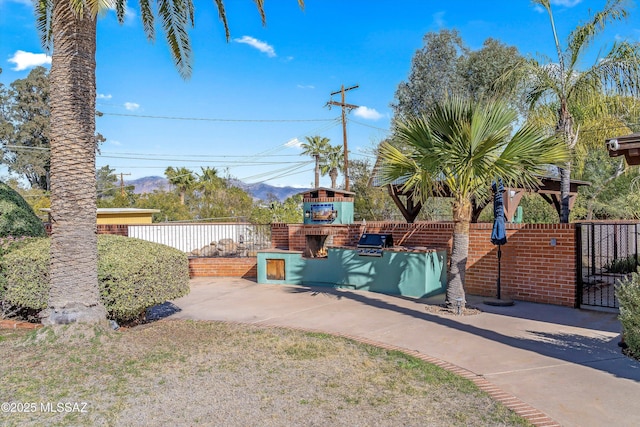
(69, 28)
(464, 146)
(566, 86)
(181, 178)
(316, 147)
(333, 160)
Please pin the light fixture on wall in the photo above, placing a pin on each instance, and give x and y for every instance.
(307, 214)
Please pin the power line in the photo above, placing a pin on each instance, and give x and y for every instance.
(205, 119)
(369, 126)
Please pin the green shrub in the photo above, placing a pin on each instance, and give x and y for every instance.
(16, 216)
(628, 293)
(623, 265)
(133, 275)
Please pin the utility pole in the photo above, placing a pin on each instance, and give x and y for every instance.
(344, 106)
(122, 183)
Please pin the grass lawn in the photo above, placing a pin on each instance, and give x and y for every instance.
(186, 373)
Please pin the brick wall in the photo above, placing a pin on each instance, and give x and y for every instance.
(223, 267)
(533, 269)
(119, 229)
(280, 236)
(340, 235)
(538, 263)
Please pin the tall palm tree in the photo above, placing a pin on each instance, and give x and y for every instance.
(315, 147)
(333, 161)
(566, 85)
(68, 27)
(181, 178)
(464, 146)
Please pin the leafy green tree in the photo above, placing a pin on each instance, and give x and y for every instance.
(465, 146)
(24, 128)
(272, 210)
(68, 28)
(316, 147)
(167, 202)
(565, 85)
(433, 76)
(370, 203)
(106, 181)
(446, 67)
(482, 69)
(182, 179)
(333, 161)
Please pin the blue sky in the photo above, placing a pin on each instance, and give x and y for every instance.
(249, 100)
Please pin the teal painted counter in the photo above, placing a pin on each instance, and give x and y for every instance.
(415, 273)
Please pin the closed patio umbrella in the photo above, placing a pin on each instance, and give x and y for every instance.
(499, 232)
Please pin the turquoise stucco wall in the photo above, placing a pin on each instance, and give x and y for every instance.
(414, 274)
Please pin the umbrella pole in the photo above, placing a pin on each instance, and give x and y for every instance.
(499, 262)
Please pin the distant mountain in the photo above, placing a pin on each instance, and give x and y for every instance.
(258, 191)
(263, 191)
(149, 184)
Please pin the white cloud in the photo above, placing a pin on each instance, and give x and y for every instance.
(306, 87)
(293, 143)
(367, 113)
(438, 19)
(131, 106)
(566, 3)
(258, 44)
(114, 142)
(103, 96)
(25, 60)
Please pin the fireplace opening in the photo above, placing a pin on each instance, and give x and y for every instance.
(316, 246)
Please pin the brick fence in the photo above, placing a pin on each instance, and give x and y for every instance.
(538, 261)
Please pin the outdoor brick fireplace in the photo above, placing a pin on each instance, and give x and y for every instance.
(316, 245)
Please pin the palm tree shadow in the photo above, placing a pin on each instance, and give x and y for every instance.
(601, 353)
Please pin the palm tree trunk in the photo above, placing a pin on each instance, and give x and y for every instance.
(333, 174)
(74, 294)
(317, 171)
(459, 254)
(565, 127)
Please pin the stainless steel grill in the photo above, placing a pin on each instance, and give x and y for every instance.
(371, 244)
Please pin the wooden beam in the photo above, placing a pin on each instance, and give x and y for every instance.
(409, 211)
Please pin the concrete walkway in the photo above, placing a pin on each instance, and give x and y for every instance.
(564, 362)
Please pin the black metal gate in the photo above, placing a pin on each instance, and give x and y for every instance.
(607, 252)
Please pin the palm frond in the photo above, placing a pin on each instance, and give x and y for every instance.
(222, 14)
(175, 15)
(121, 10)
(464, 146)
(619, 70)
(148, 19)
(582, 36)
(260, 6)
(44, 9)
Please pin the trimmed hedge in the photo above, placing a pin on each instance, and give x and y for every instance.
(16, 216)
(133, 275)
(628, 293)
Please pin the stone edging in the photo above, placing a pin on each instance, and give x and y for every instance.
(18, 324)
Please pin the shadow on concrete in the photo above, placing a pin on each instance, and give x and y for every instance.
(601, 353)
